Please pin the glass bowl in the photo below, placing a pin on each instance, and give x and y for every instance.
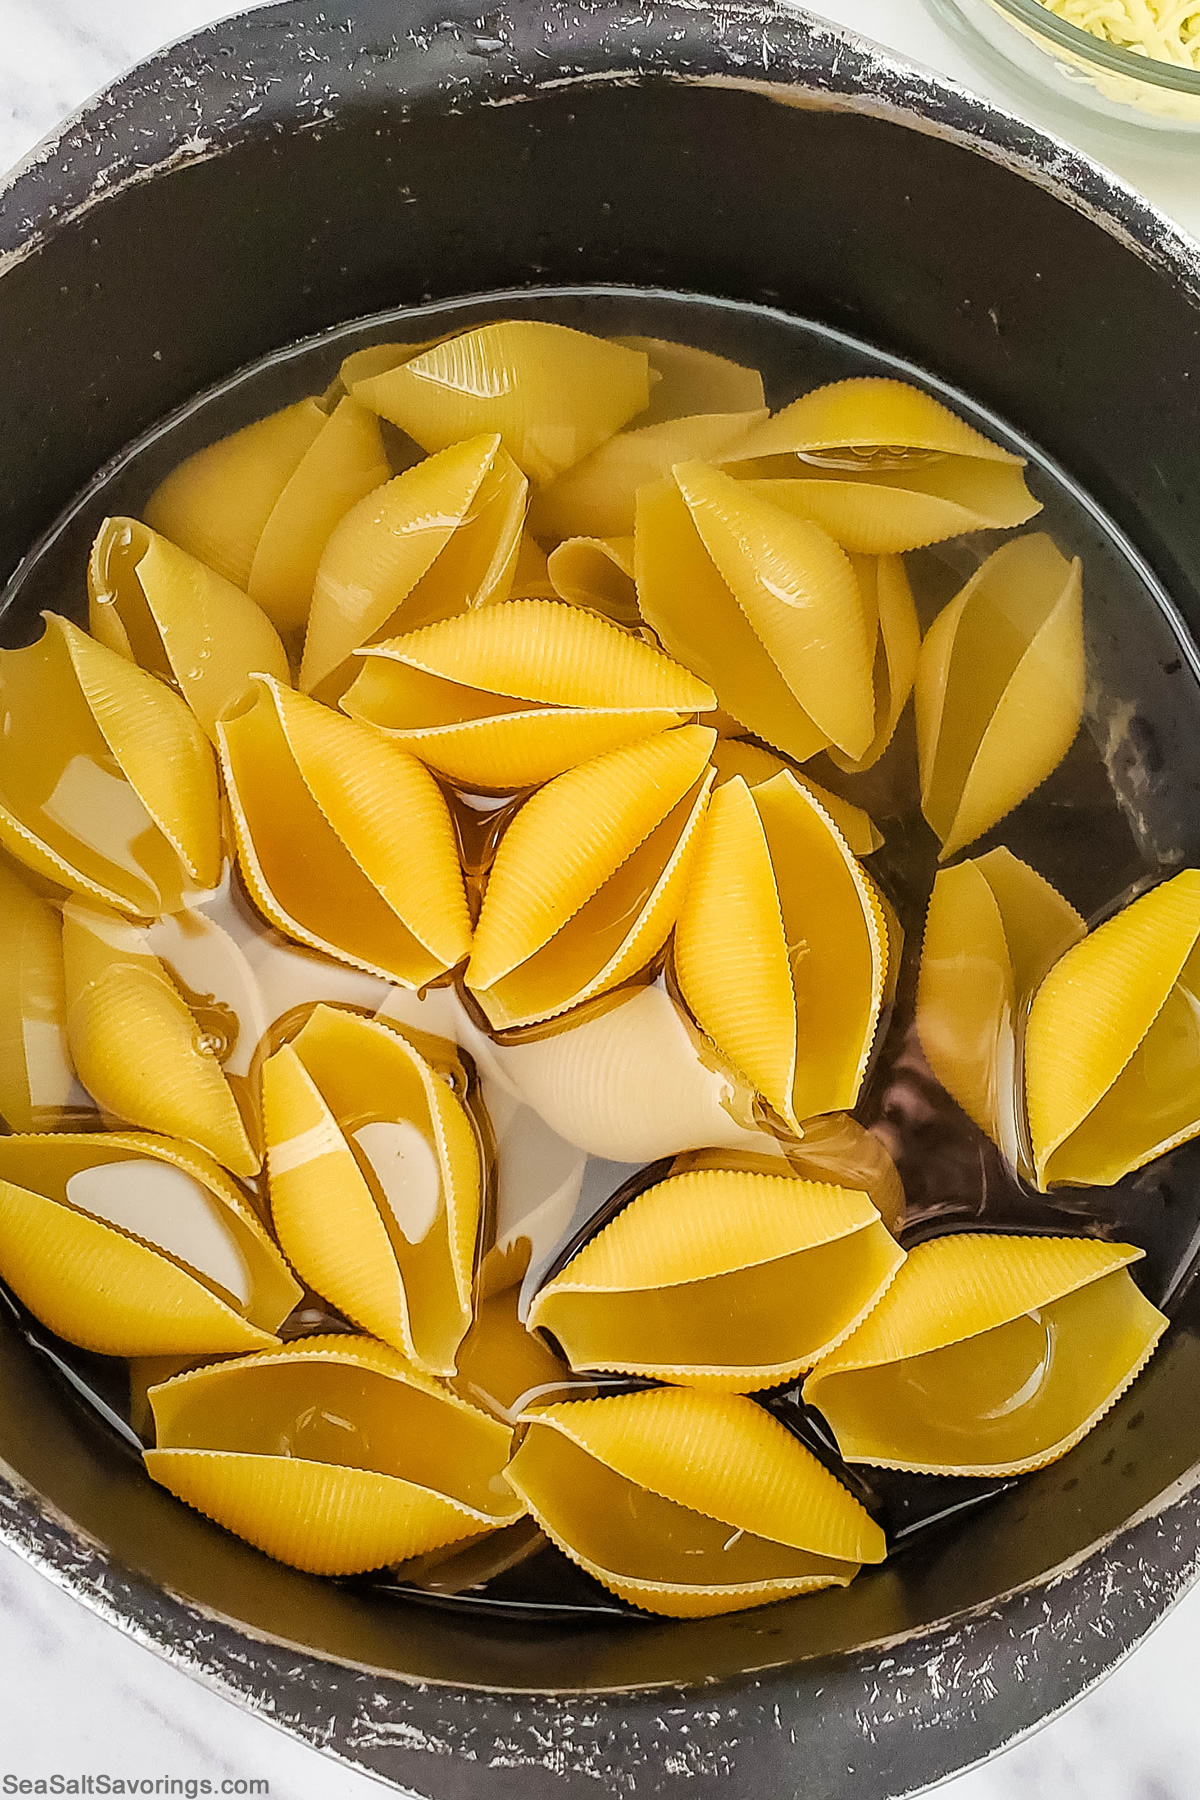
(1119, 88)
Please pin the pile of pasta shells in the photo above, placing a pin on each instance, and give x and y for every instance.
(429, 815)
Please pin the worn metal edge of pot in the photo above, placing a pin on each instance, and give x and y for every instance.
(776, 50)
(945, 1684)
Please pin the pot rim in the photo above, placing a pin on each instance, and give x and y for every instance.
(385, 1725)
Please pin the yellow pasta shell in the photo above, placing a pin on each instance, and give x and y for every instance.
(588, 878)
(597, 572)
(553, 394)
(375, 1182)
(331, 1454)
(380, 885)
(999, 688)
(737, 756)
(531, 577)
(721, 1278)
(689, 1503)
(598, 497)
(686, 381)
(1112, 1052)
(343, 464)
(799, 592)
(886, 511)
(163, 609)
(988, 1355)
(781, 949)
(869, 420)
(131, 1245)
(138, 1048)
(993, 930)
(886, 593)
(442, 536)
(508, 696)
(120, 802)
(683, 597)
(37, 1087)
(216, 504)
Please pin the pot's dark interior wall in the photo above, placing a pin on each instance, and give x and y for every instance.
(902, 238)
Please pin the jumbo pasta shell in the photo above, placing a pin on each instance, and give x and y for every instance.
(738, 756)
(1112, 1051)
(999, 688)
(988, 1355)
(120, 802)
(332, 1454)
(216, 504)
(781, 949)
(598, 497)
(132, 1245)
(721, 1279)
(553, 394)
(380, 885)
(597, 573)
(888, 597)
(800, 594)
(345, 462)
(993, 930)
(140, 1051)
(588, 878)
(163, 609)
(869, 421)
(686, 381)
(630, 1085)
(375, 1182)
(507, 697)
(687, 1503)
(682, 596)
(37, 1082)
(442, 536)
(887, 511)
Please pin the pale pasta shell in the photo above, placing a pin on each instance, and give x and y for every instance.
(622, 1486)
(553, 394)
(999, 689)
(888, 596)
(131, 1245)
(381, 886)
(988, 1355)
(121, 801)
(721, 1278)
(332, 1454)
(508, 696)
(597, 573)
(686, 381)
(375, 1182)
(1112, 1050)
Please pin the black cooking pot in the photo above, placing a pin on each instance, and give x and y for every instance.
(310, 162)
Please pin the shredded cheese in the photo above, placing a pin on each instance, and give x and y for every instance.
(1166, 30)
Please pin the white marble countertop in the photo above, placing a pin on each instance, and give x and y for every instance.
(75, 1696)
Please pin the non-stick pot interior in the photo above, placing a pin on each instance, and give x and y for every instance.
(905, 239)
